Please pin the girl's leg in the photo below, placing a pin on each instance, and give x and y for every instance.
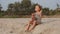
(33, 25)
(28, 26)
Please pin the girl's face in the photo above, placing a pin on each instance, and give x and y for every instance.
(37, 8)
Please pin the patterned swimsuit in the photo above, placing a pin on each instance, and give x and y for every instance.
(37, 18)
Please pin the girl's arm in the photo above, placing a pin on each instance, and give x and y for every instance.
(33, 17)
(41, 14)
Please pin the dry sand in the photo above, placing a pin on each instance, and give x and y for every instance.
(17, 25)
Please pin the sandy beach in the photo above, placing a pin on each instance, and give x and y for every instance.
(17, 25)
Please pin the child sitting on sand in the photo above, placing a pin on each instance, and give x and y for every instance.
(36, 18)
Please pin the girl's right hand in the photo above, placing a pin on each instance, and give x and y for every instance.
(33, 16)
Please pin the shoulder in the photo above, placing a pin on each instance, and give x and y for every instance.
(40, 11)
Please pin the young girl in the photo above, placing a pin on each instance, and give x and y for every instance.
(36, 18)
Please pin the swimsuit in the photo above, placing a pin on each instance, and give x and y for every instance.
(37, 18)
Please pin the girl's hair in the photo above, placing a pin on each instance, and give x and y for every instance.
(35, 6)
(39, 6)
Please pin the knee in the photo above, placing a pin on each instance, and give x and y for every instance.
(34, 22)
(30, 21)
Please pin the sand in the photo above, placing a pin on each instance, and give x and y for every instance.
(17, 25)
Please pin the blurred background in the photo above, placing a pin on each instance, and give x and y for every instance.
(24, 8)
